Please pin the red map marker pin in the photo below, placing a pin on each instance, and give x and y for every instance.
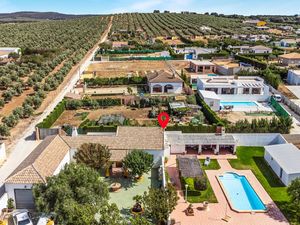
(163, 119)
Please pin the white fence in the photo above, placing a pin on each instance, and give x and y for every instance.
(259, 139)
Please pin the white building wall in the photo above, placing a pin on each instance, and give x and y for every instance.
(292, 177)
(157, 156)
(10, 189)
(293, 78)
(273, 164)
(214, 104)
(3, 201)
(177, 149)
(2, 152)
(177, 87)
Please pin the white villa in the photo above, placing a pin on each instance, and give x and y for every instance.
(230, 88)
(163, 82)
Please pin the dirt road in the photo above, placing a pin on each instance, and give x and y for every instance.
(25, 144)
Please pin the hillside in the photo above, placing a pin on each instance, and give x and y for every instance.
(33, 16)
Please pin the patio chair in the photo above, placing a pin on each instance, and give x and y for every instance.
(207, 161)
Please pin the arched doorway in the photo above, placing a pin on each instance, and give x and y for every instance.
(157, 89)
(168, 88)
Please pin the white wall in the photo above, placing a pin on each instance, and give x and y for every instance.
(258, 139)
(292, 78)
(292, 177)
(3, 201)
(10, 189)
(177, 149)
(2, 152)
(157, 156)
(286, 178)
(66, 160)
(214, 104)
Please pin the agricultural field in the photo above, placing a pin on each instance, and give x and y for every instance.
(49, 50)
(119, 69)
(147, 25)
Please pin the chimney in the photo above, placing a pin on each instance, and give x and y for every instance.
(220, 130)
(74, 132)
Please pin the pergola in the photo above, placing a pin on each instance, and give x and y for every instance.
(189, 166)
(214, 142)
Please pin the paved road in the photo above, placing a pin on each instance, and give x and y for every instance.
(26, 144)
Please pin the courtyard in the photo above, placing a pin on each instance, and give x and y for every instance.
(248, 162)
(123, 198)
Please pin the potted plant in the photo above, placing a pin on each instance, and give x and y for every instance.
(190, 210)
(137, 208)
(10, 205)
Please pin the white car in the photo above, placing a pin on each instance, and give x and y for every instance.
(277, 97)
(22, 218)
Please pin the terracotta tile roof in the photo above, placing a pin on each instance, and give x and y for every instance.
(41, 163)
(46, 157)
(293, 55)
(126, 138)
(163, 77)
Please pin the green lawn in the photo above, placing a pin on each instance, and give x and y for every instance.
(253, 158)
(214, 165)
(208, 194)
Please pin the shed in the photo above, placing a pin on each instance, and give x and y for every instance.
(211, 99)
(284, 160)
(189, 166)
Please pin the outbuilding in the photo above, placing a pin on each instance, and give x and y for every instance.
(211, 99)
(284, 160)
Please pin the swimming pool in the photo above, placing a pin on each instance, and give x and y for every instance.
(240, 194)
(238, 104)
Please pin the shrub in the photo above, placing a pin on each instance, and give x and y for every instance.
(200, 183)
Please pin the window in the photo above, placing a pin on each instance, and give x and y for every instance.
(211, 104)
(256, 91)
(227, 91)
(246, 91)
(207, 67)
(194, 81)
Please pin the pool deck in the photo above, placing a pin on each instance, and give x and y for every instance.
(217, 211)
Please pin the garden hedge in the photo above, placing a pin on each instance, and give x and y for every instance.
(209, 114)
(193, 129)
(254, 62)
(53, 116)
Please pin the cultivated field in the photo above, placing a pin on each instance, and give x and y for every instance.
(118, 69)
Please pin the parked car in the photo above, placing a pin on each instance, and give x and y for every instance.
(277, 97)
(22, 217)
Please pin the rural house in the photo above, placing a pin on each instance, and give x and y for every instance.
(163, 82)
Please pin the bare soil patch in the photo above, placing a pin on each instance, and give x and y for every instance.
(118, 69)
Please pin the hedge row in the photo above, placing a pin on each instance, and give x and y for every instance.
(211, 55)
(193, 129)
(159, 58)
(53, 116)
(92, 103)
(254, 62)
(209, 114)
(133, 51)
(94, 82)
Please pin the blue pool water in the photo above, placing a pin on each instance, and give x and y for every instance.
(212, 75)
(240, 193)
(238, 104)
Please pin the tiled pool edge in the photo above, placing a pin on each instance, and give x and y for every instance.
(229, 202)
